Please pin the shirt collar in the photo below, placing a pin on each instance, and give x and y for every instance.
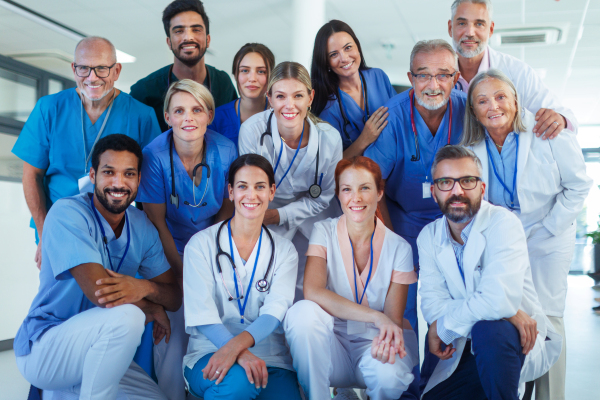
(464, 235)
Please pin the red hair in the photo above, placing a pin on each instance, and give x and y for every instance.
(367, 164)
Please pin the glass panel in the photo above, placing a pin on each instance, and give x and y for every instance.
(18, 95)
(11, 167)
(54, 86)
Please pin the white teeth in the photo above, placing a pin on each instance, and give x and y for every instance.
(248, 205)
(94, 86)
(495, 116)
(121, 194)
(289, 115)
(347, 65)
(189, 128)
(358, 208)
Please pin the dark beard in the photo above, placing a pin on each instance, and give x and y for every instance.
(189, 61)
(459, 216)
(114, 209)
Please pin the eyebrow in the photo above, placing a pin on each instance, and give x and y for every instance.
(296, 92)
(477, 20)
(106, 166)
(247, 66)
(331, 52)
(256, 183)
(185, 26)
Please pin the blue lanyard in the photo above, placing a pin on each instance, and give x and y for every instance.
(354, 270)
(104, 237)
(511, 194)
(291, 163)
(239, 113)
(237, 294)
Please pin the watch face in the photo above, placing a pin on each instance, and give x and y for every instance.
(314, 191)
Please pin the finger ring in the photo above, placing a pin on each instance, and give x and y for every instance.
(555, 122)
(217, 372)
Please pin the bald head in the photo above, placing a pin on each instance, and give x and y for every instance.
(98, 46)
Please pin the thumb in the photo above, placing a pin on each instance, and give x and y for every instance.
(113, 273)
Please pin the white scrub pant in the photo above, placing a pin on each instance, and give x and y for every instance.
(168, 358)
(89, 357)
(324, 357)
(551, 386)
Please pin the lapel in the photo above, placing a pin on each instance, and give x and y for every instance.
(525, 139)
(446, 257)
(472, 253)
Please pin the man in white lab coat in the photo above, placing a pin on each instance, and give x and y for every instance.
(488, 334)
(471, 27)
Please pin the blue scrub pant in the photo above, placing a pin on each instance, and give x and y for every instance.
(491, 373)
(282, 384)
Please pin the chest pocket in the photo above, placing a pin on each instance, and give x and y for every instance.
(544, 161)
(477, 276)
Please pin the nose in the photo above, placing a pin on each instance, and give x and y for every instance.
(457, 189)
(433, 83)
(118, 180)
(252, 76)
(470, 30)
(493, 104)
(92, 76)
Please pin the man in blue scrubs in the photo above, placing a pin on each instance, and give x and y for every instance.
(421, 121)
(187, 27)
(87, 319)
(59, 135)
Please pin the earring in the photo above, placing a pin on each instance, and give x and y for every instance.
(329, 69)
(308, 108)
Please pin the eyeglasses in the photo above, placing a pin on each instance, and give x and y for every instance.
(83, 71)
(447, 184)
(441, 78)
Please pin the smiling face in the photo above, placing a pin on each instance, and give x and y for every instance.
(470, 29)
(188, 117)
(343, 55)
(95, 53)
(251, 192)
(252, 76)
(290, 100)
(433, 95)
(116, 181)
(358, 194)
(187, 37)
(494, 105)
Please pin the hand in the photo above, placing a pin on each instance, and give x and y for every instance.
(162, 324)
(121, 289)
(220, 363)
(391, 334)
(256, 369)
(549, 122)
(271, 217)
(375, 124)
(38, 255)
(527, 328)
(383, 351)
(435, 344)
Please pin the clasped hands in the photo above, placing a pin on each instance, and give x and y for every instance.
(389, 342)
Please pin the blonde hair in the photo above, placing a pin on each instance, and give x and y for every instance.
(293, 70)
(198, 91)
(473, 130)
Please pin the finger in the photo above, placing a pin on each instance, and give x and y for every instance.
(222, 374)
(255, 375)
(553, 131)
(168, 334)
(265, 374)
(544, 126)
(542, 115)
(113, 273)
(374, 346)
(382, 118)
(386, 352)
(248, 373)
(111, 297)
(108, 281)
(107, 289)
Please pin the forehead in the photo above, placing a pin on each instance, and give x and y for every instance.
(437, 60)
(353, 175)
(184, 99)
(288, 86)
(489, 86)
(118, 159)
(250, 174)
(187, 18)
(471, 12)
(252, 60)
(94, 53)
(456, 168)
(338, 40)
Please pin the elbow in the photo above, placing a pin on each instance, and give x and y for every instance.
(310, 293)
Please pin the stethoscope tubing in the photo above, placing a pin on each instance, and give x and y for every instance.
(343, 107)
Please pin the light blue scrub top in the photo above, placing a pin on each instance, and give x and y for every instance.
(379, 91)
(505, 167)
(52, 139)
(155, 186)
(393, 149)
(227, 122)
(73, 237)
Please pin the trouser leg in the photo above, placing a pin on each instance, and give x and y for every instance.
(283, 384)
(137, 385)
(499, 358)
(168, 358)
(88, 354)
(551, 386)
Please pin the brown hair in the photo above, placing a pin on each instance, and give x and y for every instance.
(367, 164)
(248, 48)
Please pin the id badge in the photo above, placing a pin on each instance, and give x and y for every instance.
(356, 328)
(426, 190)
(85, 184)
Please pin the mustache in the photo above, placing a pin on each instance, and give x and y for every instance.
(117, 190)
(433, 92)
(188, 44)
(461, 199)
(469, 38)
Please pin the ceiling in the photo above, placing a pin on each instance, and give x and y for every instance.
(571, 69)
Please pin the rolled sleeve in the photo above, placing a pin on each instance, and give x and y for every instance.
(446, 335)
(316, 250)
(404, 278)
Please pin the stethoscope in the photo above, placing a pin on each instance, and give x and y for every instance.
(262, 285)
(315, 189)
(105, 240)
(344, 112)
(417, 155)
(171, 71)
(461, 87)
(174, 195)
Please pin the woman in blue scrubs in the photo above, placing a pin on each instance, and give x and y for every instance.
(183, 189)
(348, 94)
(252, 66)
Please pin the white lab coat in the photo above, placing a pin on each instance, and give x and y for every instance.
(206, 300)
(498, 283)
(552, 186)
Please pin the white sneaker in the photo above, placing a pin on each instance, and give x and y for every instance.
(346, 394)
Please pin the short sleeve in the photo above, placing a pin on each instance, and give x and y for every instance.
(33, 143)
(154, 262)
(404, 271)
(152, 184)
(390, 89)
(67, 227)
(317, 245)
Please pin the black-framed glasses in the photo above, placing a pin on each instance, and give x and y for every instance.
(101, 71)
(465, 182)
(441, 78)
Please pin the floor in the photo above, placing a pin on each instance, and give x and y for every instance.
(583, 362)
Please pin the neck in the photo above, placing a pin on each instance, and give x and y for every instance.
(97, 107)
(360, 232)
(499, 135)
(350, 83)
(245, 230)
(469, 66)
(432, 118)
(291, 136)
(190, 153)
(196, 72)
(456, 229)
(114, 220)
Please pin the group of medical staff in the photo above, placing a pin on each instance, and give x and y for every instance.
(289, 216)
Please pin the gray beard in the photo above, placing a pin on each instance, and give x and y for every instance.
(432, 107)
(470, 54)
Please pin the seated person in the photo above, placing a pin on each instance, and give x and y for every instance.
(88, 317)
(350, 331)
(488, 334)
(239, 279)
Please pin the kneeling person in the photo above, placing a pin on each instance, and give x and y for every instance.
(88, 317)
(350, 331)
(487, 327)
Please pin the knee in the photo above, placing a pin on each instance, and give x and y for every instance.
(305, 317)
(131, 319)
(497, 336)
(235, 385)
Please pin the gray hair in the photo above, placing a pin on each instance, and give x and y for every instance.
(455, 152)
(473, 130)
(486, 3)
(431, 46)
(91, 39)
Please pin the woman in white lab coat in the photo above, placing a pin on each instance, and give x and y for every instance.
(543, 182)
(238, 280)
(303, 151)
(350, 332)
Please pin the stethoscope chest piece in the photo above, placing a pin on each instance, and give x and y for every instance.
(262, 285)
(314, 191)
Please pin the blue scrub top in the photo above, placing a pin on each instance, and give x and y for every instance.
(379, 91)
(393, 149)
(155, 186)
(73, 237)
(227, 122)
(52, 139)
